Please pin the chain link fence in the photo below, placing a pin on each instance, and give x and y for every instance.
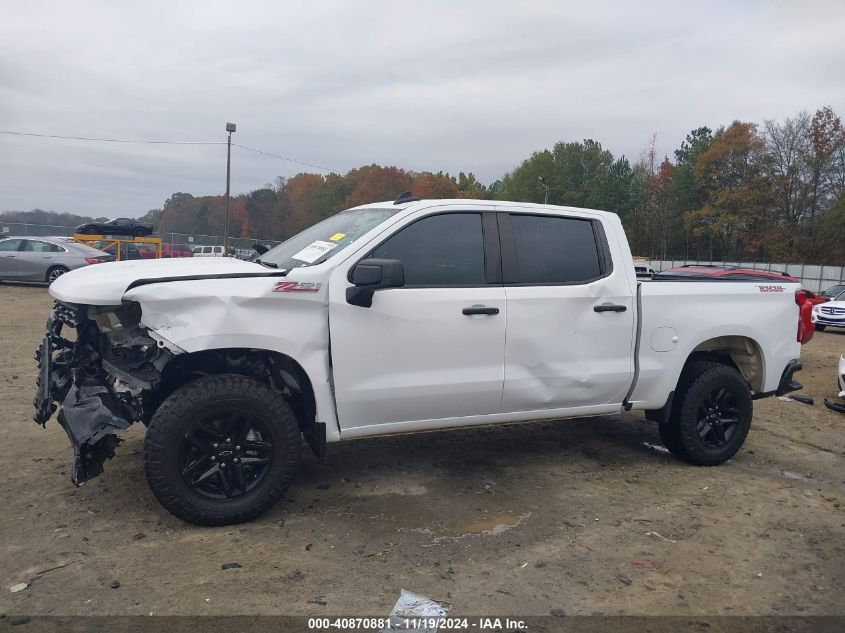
(241, 246)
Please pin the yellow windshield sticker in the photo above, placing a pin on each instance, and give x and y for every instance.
(337, 237)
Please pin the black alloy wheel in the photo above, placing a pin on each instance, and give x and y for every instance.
(711, 414)
(221, 449)
(226, 454)
(718, 417)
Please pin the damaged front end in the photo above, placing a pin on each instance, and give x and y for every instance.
(103, 378)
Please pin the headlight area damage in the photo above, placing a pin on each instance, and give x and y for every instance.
(103, 379)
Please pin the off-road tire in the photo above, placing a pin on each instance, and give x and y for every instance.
(175, 417)
(681, 433)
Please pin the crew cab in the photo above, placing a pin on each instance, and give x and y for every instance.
(398, 317)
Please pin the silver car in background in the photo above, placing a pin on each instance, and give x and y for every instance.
(44, 258)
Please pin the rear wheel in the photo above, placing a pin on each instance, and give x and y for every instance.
(139, 233)
(54, 273)
(711, 416)
(221, 449)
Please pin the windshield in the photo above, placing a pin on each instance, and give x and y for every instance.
(320, 242)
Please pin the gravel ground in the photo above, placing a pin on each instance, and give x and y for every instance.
(589, 516)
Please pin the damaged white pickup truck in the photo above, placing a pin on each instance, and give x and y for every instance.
(399, 317)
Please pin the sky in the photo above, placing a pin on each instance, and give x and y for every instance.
(427, 86)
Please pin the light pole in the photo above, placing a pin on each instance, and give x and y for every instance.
(230, 127)
(545, 188)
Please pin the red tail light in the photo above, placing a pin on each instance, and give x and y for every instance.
(806, 327)
(94, 260)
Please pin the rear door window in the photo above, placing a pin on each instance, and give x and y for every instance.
(555, 250)
(42, 247)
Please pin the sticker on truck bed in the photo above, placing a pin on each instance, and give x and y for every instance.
(771, 288)
(314, 251)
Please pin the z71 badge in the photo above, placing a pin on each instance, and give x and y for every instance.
(297, 286)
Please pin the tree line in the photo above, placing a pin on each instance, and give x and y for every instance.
(749, 192)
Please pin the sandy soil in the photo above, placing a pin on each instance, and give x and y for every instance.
(522, 519)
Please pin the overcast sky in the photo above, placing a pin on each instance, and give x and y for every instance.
(472, 86)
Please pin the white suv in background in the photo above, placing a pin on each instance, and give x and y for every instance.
(211, 251)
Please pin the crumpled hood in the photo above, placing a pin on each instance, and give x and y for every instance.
(105, 284)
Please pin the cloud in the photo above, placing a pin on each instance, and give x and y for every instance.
(473, 86)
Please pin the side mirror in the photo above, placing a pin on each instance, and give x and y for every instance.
(370, 275)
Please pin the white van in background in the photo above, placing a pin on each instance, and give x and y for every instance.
(211, 251)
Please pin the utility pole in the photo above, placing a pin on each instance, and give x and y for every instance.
(230, 127)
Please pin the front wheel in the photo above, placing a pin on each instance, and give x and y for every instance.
(221, 449)
(711, 415)
(820, 328)
(54, 273)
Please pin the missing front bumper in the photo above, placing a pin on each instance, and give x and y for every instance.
(96, 405)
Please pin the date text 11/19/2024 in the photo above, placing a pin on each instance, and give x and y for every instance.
(417, 624)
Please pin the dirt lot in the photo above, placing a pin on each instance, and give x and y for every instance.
(510, 520)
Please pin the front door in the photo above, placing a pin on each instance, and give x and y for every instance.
(9, 265)
(571, 315)
(416, 355)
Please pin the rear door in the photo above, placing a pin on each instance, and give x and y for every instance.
(570, 338)
(9, 253)
(432, 350)
(36, 258)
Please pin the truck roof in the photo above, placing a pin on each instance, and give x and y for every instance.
(524, 207)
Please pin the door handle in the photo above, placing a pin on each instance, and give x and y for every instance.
(479, 310)
(609, 307)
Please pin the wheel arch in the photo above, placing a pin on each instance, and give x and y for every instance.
(279, 371)
(743, 353)
(55, 267)
(740, 352)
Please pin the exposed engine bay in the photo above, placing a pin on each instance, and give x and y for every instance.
(115, 372)
(104, 379)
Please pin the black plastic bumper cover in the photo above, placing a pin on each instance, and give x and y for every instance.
(91, 427)
(787, 383)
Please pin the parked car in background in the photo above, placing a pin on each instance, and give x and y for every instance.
(830, 314)
(834, 291)
(44, 258)
(211, 251)
(120, 226)
(168, 250)
(176, 250)
(127, 250)
(727, 272)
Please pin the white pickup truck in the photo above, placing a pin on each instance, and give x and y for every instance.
(398, 317)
